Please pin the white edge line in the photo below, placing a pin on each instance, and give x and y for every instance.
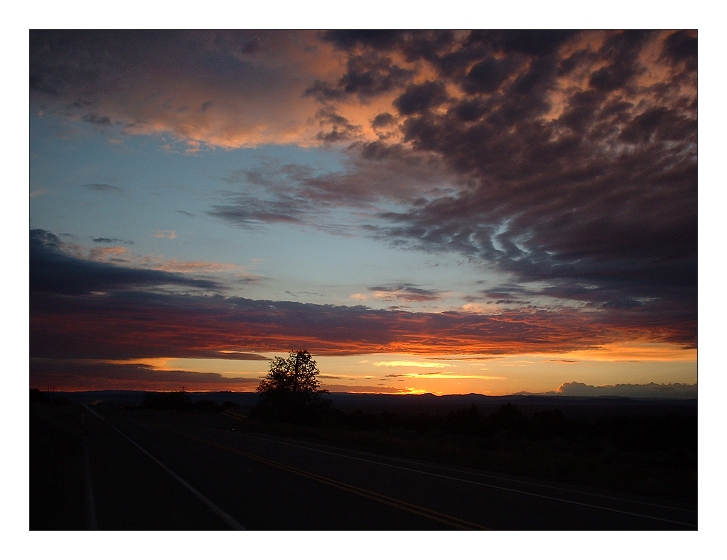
(485, 474)
(583, 504)
(224, 516)
(91, 522)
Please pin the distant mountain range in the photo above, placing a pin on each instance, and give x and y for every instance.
(573, 399)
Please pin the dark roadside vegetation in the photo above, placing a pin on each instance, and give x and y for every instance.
(650, 452)
(56, 463)
(635, 446)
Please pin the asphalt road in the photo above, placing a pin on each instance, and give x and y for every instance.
(149, 470)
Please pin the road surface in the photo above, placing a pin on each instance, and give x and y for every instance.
(159, 471)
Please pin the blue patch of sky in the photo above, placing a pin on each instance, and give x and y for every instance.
(135, 190)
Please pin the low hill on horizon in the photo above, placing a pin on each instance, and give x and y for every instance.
(428, 402)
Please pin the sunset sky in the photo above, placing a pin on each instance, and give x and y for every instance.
(447, 212)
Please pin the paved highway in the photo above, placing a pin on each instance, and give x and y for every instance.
(149, 470)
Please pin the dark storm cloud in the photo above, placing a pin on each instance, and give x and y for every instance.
(380, 39)
(421, 98)
(427, 45)
(324, 92)
(487, 75)
(252, 46)
(527, 41)
(621, 53)
(341, 129)
(432, 45)
(681, 46)
(580, 168)
(366, 76)
(371, 75)
(383, 120)
(52, 270)
(657, 124)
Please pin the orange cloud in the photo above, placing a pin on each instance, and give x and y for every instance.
(160, 325)
(165, 234)
(105, 254)
(119, 254)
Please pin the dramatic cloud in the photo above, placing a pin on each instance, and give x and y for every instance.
(580, 149)
(217, 88)
(70, 297)
(53, 270)
(366, 76)
(561, 165)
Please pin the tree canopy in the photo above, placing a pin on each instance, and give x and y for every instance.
(291, 391)
(295, 375)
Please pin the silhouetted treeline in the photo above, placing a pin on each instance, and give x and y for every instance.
(624, 432)
(37, 396)
(304, 409)
(466, 422)
(639, 433)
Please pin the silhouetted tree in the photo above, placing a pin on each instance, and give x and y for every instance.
(296, 375)
(291, 390)
(507, 418)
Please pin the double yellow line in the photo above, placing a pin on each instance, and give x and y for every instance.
(393, 502)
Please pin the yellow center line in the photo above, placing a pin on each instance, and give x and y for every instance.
(399, 504)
